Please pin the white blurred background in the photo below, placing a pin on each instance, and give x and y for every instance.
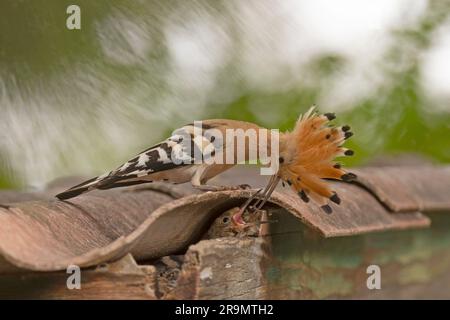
(84, 101)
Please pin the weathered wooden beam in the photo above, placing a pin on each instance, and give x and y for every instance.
(414, 264)
(122, 279)
(224, 268)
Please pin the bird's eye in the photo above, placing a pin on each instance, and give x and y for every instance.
(225, 219)
(280, 159)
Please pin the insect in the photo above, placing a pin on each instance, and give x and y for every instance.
(306, 157)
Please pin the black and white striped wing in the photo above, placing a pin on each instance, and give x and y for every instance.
(171, 160)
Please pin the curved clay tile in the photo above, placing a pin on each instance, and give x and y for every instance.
(101, 226)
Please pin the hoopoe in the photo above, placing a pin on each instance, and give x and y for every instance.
(306, 157)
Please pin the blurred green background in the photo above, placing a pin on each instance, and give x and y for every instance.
(84, 101)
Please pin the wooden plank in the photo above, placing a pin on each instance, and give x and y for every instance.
(225, 268)
(123, 279)
(414, 264)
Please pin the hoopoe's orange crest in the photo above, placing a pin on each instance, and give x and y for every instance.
(307, 156)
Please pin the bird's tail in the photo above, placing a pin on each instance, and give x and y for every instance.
(79, 189)
(317, 144)
(103, 182)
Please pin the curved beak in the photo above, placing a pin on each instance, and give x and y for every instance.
(237, 218)
(270, 187)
